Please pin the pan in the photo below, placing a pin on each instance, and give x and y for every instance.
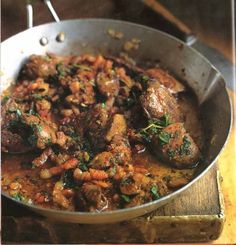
(90, 35)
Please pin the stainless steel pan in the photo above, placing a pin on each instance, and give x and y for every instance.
(90, 35)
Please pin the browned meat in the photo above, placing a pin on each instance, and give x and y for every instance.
(173, 85)
(118, 126)
(176, 146)
(94, 196)
(13, 143)
(120, 148)
(108, 84)
(95, 123)
(40, 160)
(39, 66)
(102, 160)
(157, 102)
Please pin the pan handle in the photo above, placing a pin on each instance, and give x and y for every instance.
(29, 9)
(180, 30)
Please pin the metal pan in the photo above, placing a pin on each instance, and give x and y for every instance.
(90, 35)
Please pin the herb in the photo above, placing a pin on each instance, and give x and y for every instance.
(145, 78)
(154, 192)
(33, 112)
(103, 105)
(37, 96)
(19, 197)
(126, 181)
(5, 99)
(60, 70)
(83, 166)
(125, 198)
(164, 137)
(154, 128)
(184, 148)
(68, 179)
(171, 153)
(113, 170)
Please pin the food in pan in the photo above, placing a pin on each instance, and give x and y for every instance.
(93, 133)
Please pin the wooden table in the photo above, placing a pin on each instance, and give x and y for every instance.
(14, 20)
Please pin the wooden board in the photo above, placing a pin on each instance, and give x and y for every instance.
(196, 215)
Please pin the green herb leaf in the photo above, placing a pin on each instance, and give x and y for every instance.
(184, 148)
(68, 179)
(5, 99)
(103, 105)
(126, 198)
(83, 166)
(154, 192)
(164, 137)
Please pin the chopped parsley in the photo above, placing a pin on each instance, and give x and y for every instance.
(184, 148)
(19, 197)
(154, 128)
(164, 137)
(103, 105)
(83, 166)
(5, 99)
(154, 192)
(125, 198)
(68, 179)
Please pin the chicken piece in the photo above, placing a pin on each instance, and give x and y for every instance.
(176, 146)
(94, 196)
(120, 148)
(102, 160)
(39, 66)
(118, 126)
(173, 85)
(40, 160)
(157, 102)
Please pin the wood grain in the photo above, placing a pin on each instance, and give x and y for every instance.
(227, 165)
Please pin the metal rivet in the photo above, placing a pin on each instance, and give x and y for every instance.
(43, 41)
(60, 37)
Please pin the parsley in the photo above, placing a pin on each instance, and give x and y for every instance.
(145, 78)
(83, 166)
(184, 148)
(5, 99)
(171, 153)
(68, 179)
(164, 137)
(60, 70)
(154, 192)
(126, 198)
(19, 197)
(103, 105)
(37, 96)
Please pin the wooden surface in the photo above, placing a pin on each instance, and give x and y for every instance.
(211, 22)
(227, 166)
(196, 215)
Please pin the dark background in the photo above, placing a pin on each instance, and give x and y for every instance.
(210, 19)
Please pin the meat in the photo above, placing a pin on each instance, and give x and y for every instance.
(108, 84)
(39, 66)
(13, 143)
(118, 126)
(94, 196)
(173, 85)
(157, 102)
(120, 148)
(95, 123)
(176, 146)
(102, 160)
